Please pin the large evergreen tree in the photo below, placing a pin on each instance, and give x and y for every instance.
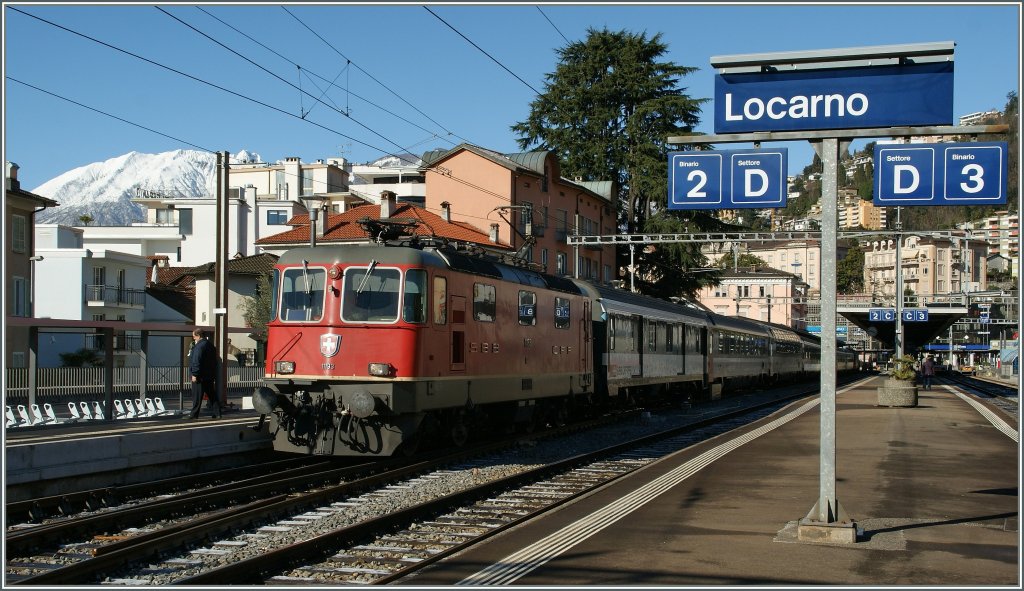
(607, 111)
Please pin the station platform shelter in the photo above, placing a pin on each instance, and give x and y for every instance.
(942, 313)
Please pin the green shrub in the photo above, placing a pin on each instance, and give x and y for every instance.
(903, 368)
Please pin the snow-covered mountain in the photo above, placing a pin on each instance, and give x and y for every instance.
(103, 190)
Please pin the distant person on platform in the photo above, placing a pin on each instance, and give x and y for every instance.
(928, 372)
(202, 364)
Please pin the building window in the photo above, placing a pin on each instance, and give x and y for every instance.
(19, 233)
(185, 221)
(165, 216)
(277, 217)
(544, 258)
(18, 359)
(560, 263)
(307, 182)
(19, 293)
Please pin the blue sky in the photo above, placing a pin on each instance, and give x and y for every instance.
(441, 90)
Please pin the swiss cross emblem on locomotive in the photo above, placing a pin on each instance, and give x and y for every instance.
(329, 344)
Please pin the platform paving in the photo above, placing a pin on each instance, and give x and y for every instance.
(933, 490)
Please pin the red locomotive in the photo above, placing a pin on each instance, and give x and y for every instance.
(374, 348)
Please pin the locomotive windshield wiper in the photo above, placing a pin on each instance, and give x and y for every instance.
(305, 277)
(366, 277)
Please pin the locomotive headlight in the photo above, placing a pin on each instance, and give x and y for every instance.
(381, 370)
(284, 366)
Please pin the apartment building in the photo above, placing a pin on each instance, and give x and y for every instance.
(495, 191)
(930, 266)
(801, 258)
(95, 284)
(855, 212)
(1002, 232)
(20, 259)
(763, 294)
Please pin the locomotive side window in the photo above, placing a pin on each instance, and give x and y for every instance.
(275, 280)
(415, 307)
(302, 294)
(370, 294)
(440, 300)
(562, 313)
(527, 308)
(484, 303)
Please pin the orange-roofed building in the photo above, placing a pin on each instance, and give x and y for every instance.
(337, 228)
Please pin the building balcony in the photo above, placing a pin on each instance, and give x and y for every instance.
(123, 343)
(114, 297)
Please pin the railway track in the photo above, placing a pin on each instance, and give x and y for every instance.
(1003, 396)
(257, 530)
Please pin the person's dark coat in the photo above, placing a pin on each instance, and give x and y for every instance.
(202, 361)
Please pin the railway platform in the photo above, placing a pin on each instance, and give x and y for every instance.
(39, 458)
(933, 490)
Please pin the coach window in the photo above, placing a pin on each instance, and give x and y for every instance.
(652, 337)
(527, 308)
(415, 307)
(370, 294)
(561, 313)
(484, 303)
(302, 294)
(440, 300)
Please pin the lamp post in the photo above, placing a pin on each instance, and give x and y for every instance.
(312, 203)
(32, 286)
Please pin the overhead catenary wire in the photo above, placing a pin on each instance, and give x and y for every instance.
(495, 60)
(552, 24)
(386, 87)
(250, 99)
(329, 82)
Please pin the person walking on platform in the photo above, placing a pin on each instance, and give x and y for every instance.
(928, 372)
(202, 364)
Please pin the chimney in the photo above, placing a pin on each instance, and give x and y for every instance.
(446, 211)
(321, 220)
(387, 204)
(12, 176)
(494, 233)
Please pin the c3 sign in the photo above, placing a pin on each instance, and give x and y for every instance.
(844, 98)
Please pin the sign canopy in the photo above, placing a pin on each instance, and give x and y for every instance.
(866, 87)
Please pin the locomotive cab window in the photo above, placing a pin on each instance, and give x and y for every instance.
(415, 307)
(370, 294)
(302, 294)
(561, 313)
(527, 308)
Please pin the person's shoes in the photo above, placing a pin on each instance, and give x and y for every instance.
(190, 418)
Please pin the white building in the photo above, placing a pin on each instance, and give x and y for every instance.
(95, 284)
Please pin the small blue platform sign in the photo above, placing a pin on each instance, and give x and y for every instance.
(941, 174)
(882, 314)
(914, 315)
(728, 179)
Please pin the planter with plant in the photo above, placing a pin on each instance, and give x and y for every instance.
(898, 389)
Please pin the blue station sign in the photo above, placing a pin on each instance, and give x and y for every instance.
(882, 315)
(914, 315)
(838, 98)
(972, 173)
(728, 179)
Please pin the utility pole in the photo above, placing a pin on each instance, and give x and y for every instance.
(220, 312)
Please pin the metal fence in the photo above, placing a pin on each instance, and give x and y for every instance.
(62, 384)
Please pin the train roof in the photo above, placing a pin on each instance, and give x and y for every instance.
(443, 257)
(625, 302)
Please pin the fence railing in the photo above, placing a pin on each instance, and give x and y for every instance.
(56, 384)
(111, 295)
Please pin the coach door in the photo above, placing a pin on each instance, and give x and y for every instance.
(457, 338)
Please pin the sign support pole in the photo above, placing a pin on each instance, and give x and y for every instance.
(826, 520)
